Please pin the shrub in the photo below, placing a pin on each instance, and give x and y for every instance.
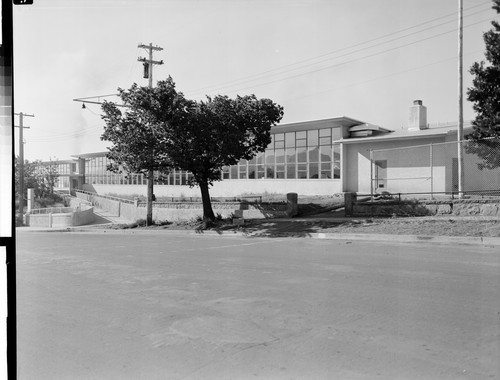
(141, 222)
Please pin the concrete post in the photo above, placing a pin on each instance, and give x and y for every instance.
(292, 204)
(349, 201)
(50, 220)
(31, 199)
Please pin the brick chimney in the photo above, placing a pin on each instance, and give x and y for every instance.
(418, 116)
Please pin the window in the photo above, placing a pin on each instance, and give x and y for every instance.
(290, 139)
(234, 172)
(301, 139)
(280, 171)
(312, 137)
(242, 168)
(279, 140)
(325, 136)
(326, 170)
(302, 171)
(336, 134)
(313, 170)
(225, 172)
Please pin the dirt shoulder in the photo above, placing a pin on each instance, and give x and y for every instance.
(473, 227)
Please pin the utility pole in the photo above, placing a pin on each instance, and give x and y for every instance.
(149, 63)
(460, 132)
(21, 161)
(148, 73)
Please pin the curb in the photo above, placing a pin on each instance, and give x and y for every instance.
(449, 240)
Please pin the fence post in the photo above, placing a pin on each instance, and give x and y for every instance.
(349, 201)
(432, 170)
(371, 174)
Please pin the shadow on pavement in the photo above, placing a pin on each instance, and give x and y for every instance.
(302, 228)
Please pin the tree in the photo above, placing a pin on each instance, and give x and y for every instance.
(220, 132)
(48, 176)
(139, 135)
(485, 96)
(31, 178)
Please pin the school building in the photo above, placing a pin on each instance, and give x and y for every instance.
(320, 157)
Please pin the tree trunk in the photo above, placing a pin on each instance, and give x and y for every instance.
(149, 199)
(208, 212)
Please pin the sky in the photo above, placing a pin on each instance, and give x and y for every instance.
(319, 59)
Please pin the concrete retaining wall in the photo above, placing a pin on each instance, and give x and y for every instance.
(421, 208)
(78, 217)
(177, 211)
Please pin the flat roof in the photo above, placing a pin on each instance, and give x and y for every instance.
(341, 121)
(403, 134)
(89, 155)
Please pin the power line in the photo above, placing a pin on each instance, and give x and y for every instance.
(355, 59)
(377, 78)
(279, 70)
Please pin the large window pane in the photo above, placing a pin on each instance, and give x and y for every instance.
(325, 141)
(301, 135)
(290, 155)
(280, 171)
(301, 154)
(290, 139)
(242, 171)
(280, 156)
(313, 154)
(326, 171)
(183, 178)
(225, 172)
(325, 132)
(302, 171)
(234, 171)
(260, 158)
(279, 140)
(270, 156)
(290, 171)
(270, 172)
(336, 170)
(326, 153)
(260, 171)
(336, 134)
(313, 171)
(312, 137)
(251, 171)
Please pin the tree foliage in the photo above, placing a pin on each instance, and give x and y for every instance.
(485, 96)
(140, 134)
(37, 175)
(219, 132)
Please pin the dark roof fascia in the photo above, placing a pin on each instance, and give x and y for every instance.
(89, 155)
(388, 138)
(341, 121)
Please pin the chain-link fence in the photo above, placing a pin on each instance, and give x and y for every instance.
(434, 169)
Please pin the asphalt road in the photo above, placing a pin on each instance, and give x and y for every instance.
(166, 306)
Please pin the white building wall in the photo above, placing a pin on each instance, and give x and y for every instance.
(230, 188)
(408, 168)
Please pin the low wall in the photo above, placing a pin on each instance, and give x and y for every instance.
(77, 217)
(422, 208)
(177, 211)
